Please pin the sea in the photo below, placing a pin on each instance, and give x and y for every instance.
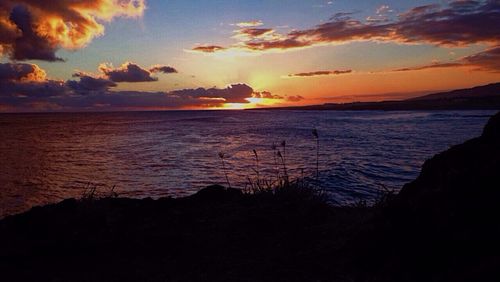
(48, 157)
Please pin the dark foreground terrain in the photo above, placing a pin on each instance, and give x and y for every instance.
(444, 226)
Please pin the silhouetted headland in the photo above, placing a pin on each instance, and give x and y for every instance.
(443, 226)
(485, 97)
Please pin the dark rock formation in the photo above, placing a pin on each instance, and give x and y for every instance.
(445, 225)
(462, 180)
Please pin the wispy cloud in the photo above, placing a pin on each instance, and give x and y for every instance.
(320, 73)
(208, 48)
(487, 60)
(252, 23)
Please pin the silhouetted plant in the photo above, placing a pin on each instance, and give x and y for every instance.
(316, 135)
(91, 193)
(256, 164)
(275, 154)
(385, 196)
(282, 157)
(281, 183)
(221, 156)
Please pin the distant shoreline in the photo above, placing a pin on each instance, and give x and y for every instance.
(485, 97)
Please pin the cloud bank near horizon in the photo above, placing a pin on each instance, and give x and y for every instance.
(25, 87)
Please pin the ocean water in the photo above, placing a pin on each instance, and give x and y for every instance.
(45, 158)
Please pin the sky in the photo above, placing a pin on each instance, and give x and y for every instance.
(76, 55)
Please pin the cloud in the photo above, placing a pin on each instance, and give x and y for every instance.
(253, 32)
(27, 80)
(383, 9)
(35, 30)
(430, 66)
(296, 98)
(459, 23)
(162, 69)
(21, 72)
(208, 48)
(39, 89)
(319, 73)
(127, 72)
(253, 23)
(25, 87)
(88, 83)
(21, 81)
(236, 93)
(30, 45)
(267, 95)
(487, 60)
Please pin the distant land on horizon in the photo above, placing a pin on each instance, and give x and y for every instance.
(485, 97)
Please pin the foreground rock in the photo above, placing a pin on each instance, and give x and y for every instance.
(444, 226)
(215, 235)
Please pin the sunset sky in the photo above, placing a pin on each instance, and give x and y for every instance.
(152, 54)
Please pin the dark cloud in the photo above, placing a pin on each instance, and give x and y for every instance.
(128, 72)
(39, 89)
(35, 30)
(30, 45)
(88, 83)
(340, 16)
(461, 23)
(18, 72)
(236, 93)
(319, 73)
(457, 24)
(27, 80)
(162, 69)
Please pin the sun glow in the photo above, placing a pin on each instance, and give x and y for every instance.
(252, 103)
